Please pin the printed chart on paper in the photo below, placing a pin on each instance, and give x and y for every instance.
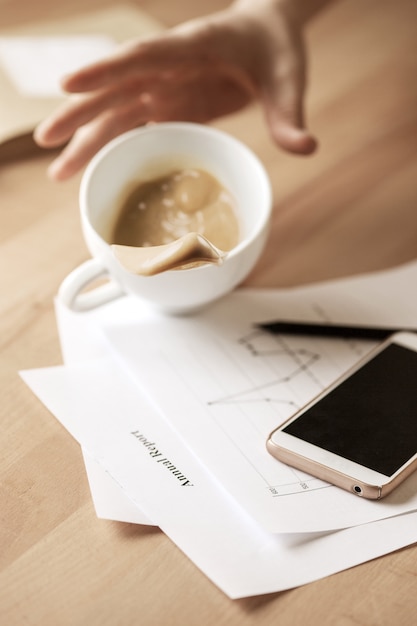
(225, 387)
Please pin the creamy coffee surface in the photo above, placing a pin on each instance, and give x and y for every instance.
(160, 211)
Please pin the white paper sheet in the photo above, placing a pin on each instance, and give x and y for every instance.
(341, 301)
(109, 500)
(225, 385)
(121, 432)
(36, 65)
(248, 560)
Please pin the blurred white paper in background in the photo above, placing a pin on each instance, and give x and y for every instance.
(36, 65)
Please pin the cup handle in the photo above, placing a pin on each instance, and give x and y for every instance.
(70, 290)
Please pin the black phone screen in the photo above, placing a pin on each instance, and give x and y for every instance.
(371, 417)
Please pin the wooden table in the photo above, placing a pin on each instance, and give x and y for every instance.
(349, 209)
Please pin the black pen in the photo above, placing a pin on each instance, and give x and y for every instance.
(329, 330)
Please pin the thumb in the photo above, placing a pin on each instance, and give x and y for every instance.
(282, 96)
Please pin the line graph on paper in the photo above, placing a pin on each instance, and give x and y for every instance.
(298, 361)
(223, 387)
(281, 375)
(286, 365)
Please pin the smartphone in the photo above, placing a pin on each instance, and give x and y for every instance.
(360, 433)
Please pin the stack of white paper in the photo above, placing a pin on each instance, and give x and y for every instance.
(173, 415)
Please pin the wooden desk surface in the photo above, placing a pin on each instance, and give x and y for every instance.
(351, 208)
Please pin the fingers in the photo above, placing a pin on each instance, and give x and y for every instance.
(126, 77)
(286, 128)
(91, 137)
(282, 93)
(59, 127)
(157, 54)
(98, 75)
(78, 111)
(284, 115)
(199, 100)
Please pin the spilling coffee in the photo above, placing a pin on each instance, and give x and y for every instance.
(160, 211)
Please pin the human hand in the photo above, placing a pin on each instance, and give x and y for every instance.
(198, 71)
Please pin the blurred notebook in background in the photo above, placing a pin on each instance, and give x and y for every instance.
(33, 56)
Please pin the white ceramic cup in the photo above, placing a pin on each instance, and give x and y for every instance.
(150, 152)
